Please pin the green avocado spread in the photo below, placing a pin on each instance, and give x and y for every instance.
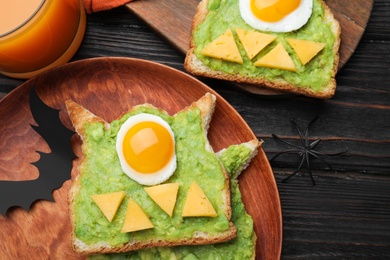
(234, 158)
(224, 14)
(102, 173)
(241, 247)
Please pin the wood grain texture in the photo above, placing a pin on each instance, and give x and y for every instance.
(346, 215)
(119, 84)
(174, 25)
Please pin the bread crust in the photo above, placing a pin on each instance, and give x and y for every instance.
(80, 116)
(195, 66)
(253, 145)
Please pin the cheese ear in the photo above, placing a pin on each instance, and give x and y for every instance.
(224, 48)
(277, 58)
(305, 50)
(109, 203)
(197, 204)
(253, 41)
(164, 195)
(136, 219)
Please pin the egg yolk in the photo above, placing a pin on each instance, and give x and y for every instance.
(148, 147)
(273, 10)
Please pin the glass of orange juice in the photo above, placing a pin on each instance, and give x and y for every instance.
(36, 35)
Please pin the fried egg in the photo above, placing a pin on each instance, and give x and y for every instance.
(146, 149)
(276, 15)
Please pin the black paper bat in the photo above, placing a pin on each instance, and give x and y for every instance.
(54, 168)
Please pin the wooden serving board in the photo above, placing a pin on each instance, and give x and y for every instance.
(108, 87)
(172, 20)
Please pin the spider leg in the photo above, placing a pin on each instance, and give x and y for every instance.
(313, 153)
(314, 144)
(296, 171)
(299, 131)
(330, 154)
(284, 152)
(306, 150)
(312, 121)
(283, 141)
(309, 169)
(307, 131)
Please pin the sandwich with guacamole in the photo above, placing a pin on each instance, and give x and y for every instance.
(287, 45)
(149, 181)
(235, 159)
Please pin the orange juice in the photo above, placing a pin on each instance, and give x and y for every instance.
(36, 35)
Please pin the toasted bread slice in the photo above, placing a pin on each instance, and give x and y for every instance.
(79, 204)
(241, 247)
(199, 65)
(241, 161)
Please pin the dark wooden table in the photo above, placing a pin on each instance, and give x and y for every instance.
(347, 213)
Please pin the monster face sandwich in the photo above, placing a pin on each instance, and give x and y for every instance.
(151, 180)
(279, 44)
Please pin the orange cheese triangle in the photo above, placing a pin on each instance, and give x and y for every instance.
(305, 50)
(136, 219)
(164, 195)
(277, 58)
(223, 48)
(253, 41)
(197, 204)
(109, 203)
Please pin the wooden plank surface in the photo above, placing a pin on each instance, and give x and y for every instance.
(173, 23)
(346, 215)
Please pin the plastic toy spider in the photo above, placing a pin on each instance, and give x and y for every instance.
(305, 151)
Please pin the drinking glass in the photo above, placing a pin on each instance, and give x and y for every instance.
(36, 35)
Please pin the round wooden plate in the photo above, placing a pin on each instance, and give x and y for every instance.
(108, 87)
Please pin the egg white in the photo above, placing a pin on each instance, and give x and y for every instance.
(151, 178)
(291, 22)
